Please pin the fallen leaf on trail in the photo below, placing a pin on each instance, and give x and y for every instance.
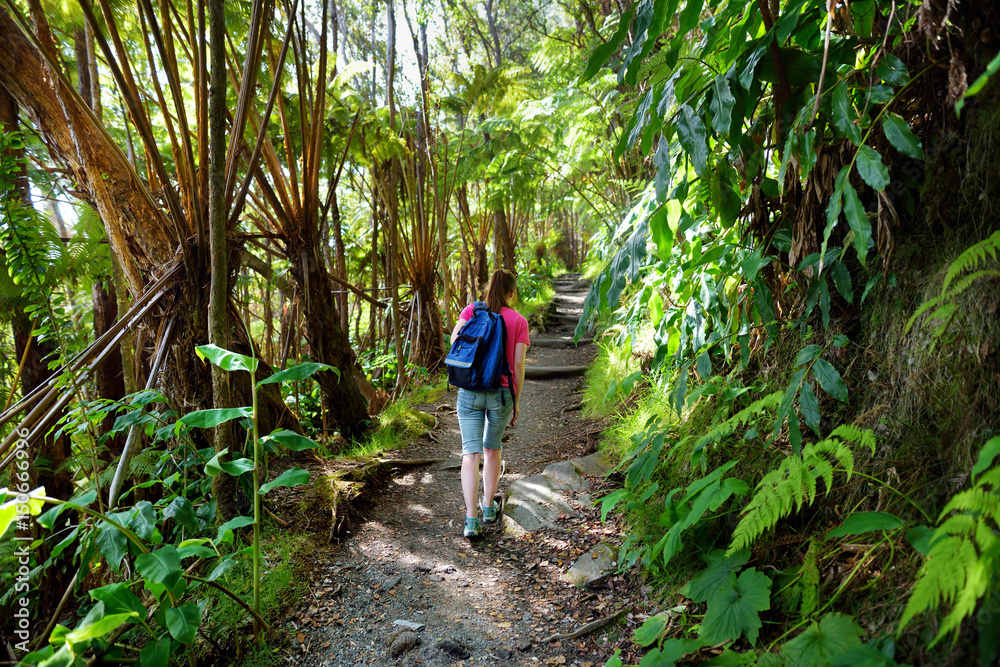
(504, 625)
(557, 660)
(300, 637)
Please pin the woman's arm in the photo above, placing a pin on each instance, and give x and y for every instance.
(519, 351)
(458, 327)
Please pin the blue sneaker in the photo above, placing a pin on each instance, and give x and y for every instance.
(472, 527)
(490, 513)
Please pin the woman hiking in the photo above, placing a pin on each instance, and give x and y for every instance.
(483, 415)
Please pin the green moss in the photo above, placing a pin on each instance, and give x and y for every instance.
(398, 424)
(283, 582)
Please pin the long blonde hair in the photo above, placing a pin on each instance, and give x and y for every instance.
(502, 283)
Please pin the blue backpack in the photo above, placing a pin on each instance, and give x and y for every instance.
(478, 358)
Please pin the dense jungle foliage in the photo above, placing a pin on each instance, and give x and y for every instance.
(233, 232)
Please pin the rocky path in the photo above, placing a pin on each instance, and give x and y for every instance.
(406, 588)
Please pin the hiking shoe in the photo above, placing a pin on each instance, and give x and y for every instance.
(472, 527)
(490, 513)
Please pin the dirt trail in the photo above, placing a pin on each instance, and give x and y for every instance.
(490, 601)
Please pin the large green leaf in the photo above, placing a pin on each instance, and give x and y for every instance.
(645, 16)
(661, 160)
(162, 566)
(844, 115)
(214, 417)
(112, 544)
(98, 623)
(719, 576)
(866, 522)
(834, 206)
(291, 477)
(118, 599)
(807, 354)
(830, 379)
(226, 529)
(225, 359)
(651, 629)
(722, 105)
(809, 407)
(219, 570)
(300, 372)
(143, 521)
(181, 510)
(662, 235)
(858, 221)
(892, 70)
(183, 621)
(898, 132)
(603, 52)
(747, 77)
(835, 634)
(691, 133)
(234, 468)
(156, 653)
(735, 611)
(871, 168)
(291, 440)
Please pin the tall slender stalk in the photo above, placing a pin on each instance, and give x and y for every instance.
(256, 503)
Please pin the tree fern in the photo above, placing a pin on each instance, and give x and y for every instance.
(793, 484)
(964, 558)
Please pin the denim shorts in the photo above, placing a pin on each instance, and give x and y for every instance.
(482, 417)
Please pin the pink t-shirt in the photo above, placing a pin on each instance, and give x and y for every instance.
(517, 332)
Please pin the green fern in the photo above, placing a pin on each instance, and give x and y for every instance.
(970, 260)
(964, 558)
(738, 420)
(793, 484)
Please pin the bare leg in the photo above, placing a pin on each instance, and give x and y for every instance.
(470, 483)
(491, 474)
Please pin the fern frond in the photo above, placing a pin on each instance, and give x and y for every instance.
(972, 258)
(941, 578)
(960, 525)
(655, 61)
(964, 561)
(839, 451)
(793, 485)
(976, 501)
(960, 287)
(738, 420)
(855, 434)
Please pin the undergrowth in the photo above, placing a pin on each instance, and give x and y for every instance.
(814, 479)
(398, 424)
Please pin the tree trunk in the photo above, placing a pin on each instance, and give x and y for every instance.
(223, 486)
(504, 242)
(137, 229)
(343, 402)
(109, 377)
